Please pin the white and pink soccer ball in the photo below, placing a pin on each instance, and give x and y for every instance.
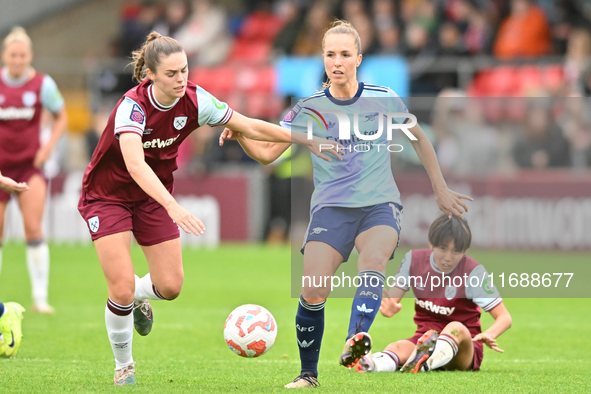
(250, 330)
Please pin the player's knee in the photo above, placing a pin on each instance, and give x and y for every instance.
(375, 260)
(171, 290)
(458, 330)
(122, 294)
(33, 232)
(315, 293)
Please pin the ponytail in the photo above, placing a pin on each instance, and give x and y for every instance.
(148, 56)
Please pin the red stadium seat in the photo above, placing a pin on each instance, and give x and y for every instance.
(260, 26)
(216, 80)
(494, 82)
(250, 52)
(530, 79)
(510, 81)
(263, 105)
(255, 79)
(553, 77)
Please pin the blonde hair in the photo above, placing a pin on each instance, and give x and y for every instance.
(341, 26)
(148, 56)
(17, 34)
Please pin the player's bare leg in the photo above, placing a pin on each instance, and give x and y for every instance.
(320, 261)
(165, 262)
(389, 359)
(375, 246)
(113, 253)
(163, 282)
(454, 349)
(32, 206)
(3, 205)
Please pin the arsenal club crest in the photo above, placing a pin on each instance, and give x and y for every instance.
(179, 122)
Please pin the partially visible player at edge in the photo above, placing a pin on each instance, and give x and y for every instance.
(11, 334)
(24, 93)
(355, 203)
(11, 313)
(128, 185)
(448, 335)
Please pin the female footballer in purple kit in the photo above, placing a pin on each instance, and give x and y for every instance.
(355, 203)
(24, 93)
(128, 185)
(447, 312)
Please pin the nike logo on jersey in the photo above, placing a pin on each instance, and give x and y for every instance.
(158, 143)
(430, 306)
(305, 344)
(364, 309)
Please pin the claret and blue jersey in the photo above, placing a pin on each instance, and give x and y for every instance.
(364, 176)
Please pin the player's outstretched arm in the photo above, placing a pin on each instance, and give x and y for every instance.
(10, 186)
(260, 130)
(391, 301)
(262, 151)
(448, 201)
(502, 323)
(144, 176)
(59, 126)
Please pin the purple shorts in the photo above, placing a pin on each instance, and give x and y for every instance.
(439, 326)
(147, 219)
(20, 173)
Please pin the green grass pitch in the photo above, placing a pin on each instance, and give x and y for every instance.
(546, 350)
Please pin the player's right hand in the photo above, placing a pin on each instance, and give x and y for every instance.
(390, 307)
(11, 186)
(319, 145)
(185, 219)
(229, 134)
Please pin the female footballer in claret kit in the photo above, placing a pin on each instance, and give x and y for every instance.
(356, 202)
(128, 185)
(24, 94)
(447, 310)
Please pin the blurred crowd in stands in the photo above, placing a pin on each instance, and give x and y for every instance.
(537, 48)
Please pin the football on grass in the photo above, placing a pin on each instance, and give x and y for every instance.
(250, 330)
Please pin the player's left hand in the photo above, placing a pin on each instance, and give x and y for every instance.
(228, 134)
(42, 156)
(488, 340)
(451, 202)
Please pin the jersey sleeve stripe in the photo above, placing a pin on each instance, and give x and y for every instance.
(376, 90)
(321, 94)
(129, 129)
(494, 303)
(371, 85)
(226, 117)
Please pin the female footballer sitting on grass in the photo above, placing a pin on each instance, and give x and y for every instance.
(127, 187)
(356, 202)
(448, 332)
